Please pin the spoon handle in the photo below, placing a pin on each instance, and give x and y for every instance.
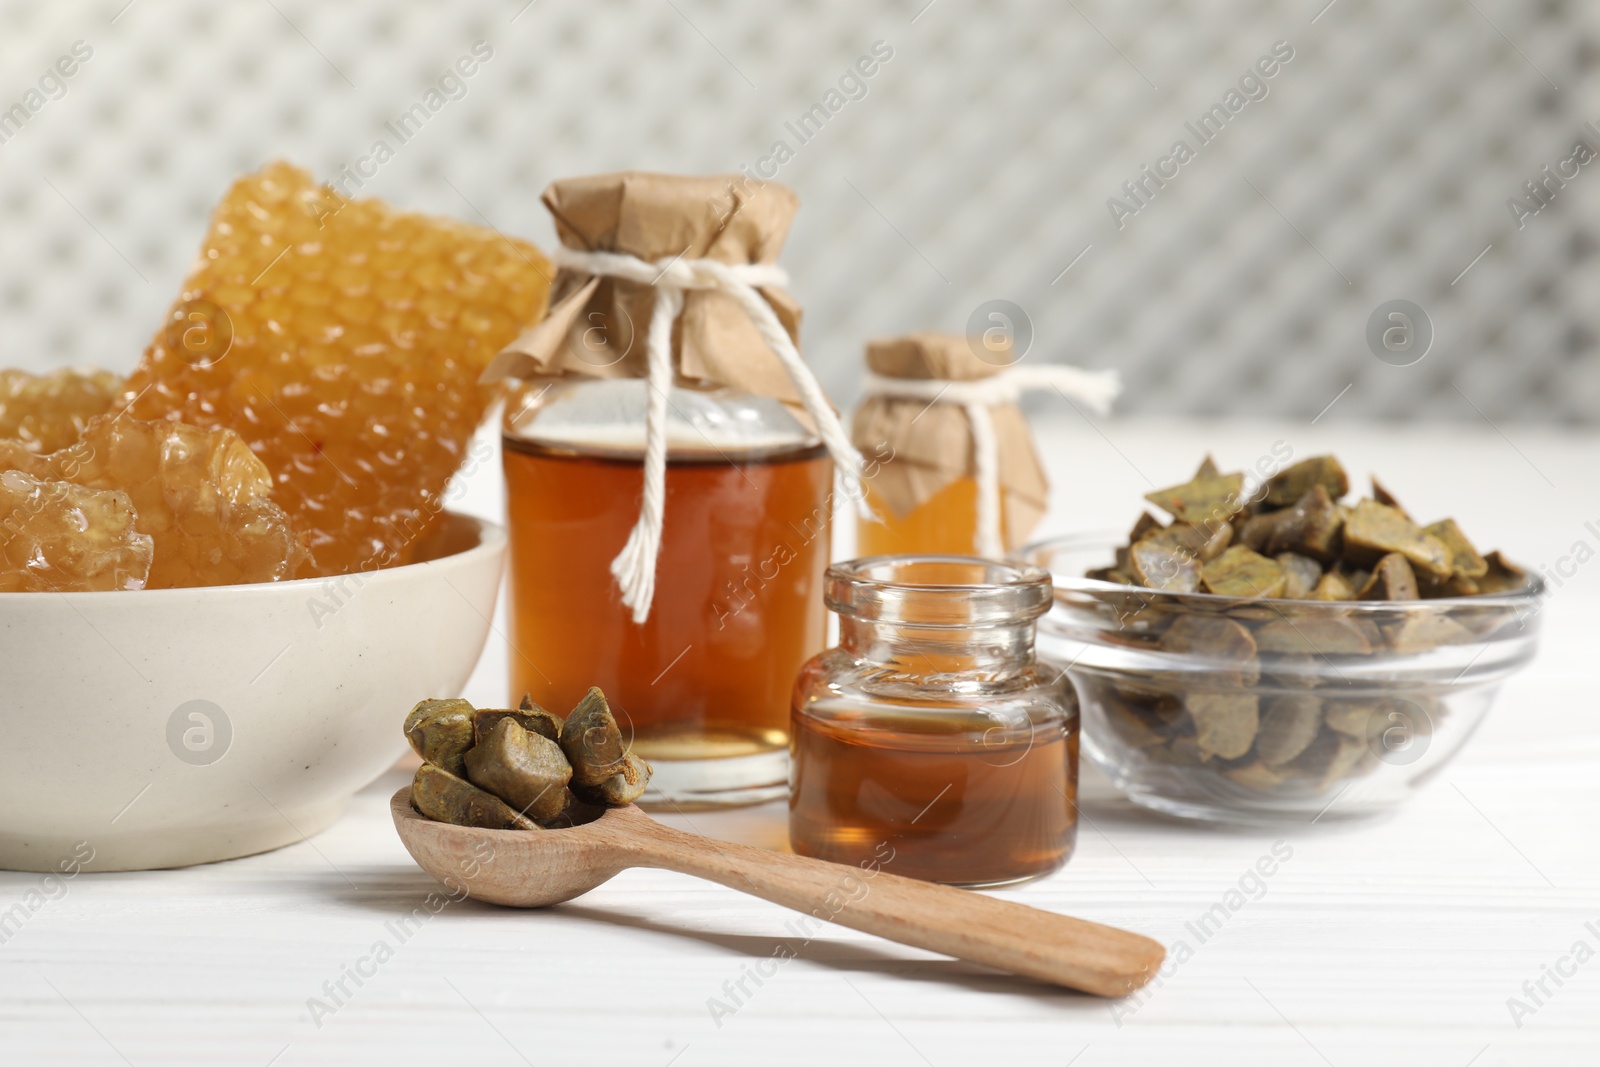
(1011, 937)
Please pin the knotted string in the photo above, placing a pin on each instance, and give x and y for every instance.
(635, 566)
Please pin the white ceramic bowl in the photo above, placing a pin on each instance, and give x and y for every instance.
(166, 727)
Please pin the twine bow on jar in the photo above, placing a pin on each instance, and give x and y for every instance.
(635, 566)
(691, 262)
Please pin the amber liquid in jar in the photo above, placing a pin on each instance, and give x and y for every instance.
(945, 522)
(955, 801)
(932, 740)
(737, 608)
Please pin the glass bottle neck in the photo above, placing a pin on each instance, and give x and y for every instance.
(989, 650)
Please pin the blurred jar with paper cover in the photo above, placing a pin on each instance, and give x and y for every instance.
(953, 462)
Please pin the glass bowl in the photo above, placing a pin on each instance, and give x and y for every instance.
(1274, 711)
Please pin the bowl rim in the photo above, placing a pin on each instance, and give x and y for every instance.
(491, 541)
(1531, 593)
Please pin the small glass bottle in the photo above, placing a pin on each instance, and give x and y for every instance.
(932, 740)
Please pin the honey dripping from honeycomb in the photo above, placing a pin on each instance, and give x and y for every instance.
(343, 341)
(201, 496)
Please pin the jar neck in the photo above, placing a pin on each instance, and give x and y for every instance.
(998, 650)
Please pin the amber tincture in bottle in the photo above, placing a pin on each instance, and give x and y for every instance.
(702, 686)
(931, 740)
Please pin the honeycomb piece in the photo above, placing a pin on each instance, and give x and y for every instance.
(46, 412)
(201, 495)
(64, 538)
(343, 341)
(15, 455)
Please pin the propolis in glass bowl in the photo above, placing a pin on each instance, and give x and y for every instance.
(1274, 711)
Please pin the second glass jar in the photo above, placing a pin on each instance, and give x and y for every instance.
(931, 740)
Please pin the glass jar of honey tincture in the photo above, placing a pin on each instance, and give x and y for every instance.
(932, 740)
(669, 508)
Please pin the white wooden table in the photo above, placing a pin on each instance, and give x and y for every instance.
(1398, 941)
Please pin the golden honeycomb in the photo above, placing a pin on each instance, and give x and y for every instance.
(342, 340)
(45, 412)
(202, 495)
(64, 538)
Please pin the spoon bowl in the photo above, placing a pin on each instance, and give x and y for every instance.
(515, 868)
(537, 868)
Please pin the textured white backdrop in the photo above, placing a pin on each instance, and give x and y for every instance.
(977, 166)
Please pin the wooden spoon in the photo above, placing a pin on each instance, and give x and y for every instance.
(530, 869)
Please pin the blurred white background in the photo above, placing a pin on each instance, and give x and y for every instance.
(975, 164)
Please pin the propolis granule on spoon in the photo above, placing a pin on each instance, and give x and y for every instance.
(343, 341)
(546, 769)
